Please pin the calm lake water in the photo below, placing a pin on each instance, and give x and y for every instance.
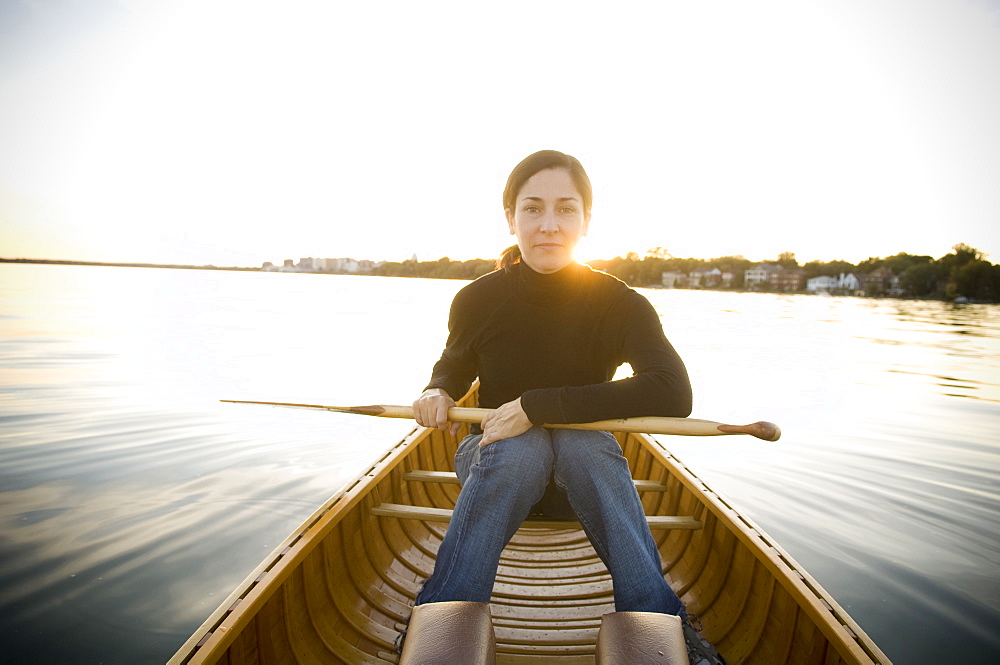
(132, 501)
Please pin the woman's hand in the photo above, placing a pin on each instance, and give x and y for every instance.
(431, 410)
(503, 423)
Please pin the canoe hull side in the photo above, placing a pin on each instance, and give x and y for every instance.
(340, 588)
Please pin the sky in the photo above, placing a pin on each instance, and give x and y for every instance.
(234, 133)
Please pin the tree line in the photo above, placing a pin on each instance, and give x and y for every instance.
(443, 268)
(962, 273)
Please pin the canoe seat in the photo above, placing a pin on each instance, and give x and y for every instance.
(641, 638)
(426, 514)
(449, 477)
(451, 632)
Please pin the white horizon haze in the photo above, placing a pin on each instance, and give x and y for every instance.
(237, 133)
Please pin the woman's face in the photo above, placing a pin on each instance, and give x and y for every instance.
(548, 219)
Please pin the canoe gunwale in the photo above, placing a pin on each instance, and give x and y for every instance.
(835, 623)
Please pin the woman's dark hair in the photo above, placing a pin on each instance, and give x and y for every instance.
(529, 166)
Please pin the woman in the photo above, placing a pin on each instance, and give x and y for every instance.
(544, 335)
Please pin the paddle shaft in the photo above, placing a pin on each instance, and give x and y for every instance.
(644, 424)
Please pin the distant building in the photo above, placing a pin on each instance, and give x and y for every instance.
(879, 282)
(704, 278)
(773, 277)
(320, 265)
(787, 280)
(849, 284)
(673, 279)
(822, 284)
(759, 274)
(341, 266)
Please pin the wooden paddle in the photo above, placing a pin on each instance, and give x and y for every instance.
(646, 424)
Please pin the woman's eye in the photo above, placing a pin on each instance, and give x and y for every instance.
(568, 210)
(531, 209)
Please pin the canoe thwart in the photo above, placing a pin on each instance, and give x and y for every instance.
(427, 514)
(448, 477)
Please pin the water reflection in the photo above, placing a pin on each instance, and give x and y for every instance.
(133, 502)
(884, 484)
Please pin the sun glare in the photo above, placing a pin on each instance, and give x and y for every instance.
(220, 131)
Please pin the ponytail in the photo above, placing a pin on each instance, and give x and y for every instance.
(509, 257)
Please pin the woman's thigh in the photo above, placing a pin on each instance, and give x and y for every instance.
(466, 455)
(528, 456)
(591, 459)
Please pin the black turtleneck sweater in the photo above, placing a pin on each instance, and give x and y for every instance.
(556, 341)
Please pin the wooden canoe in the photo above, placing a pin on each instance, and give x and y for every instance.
(339, 588)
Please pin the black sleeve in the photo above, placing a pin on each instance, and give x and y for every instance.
(659, 385)
(455, 371)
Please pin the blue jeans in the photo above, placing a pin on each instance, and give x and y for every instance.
(560, 473)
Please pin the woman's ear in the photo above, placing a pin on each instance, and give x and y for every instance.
(586, 224)
(509, 214)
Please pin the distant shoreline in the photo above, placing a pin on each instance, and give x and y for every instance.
(959, 297)
(172, 266)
